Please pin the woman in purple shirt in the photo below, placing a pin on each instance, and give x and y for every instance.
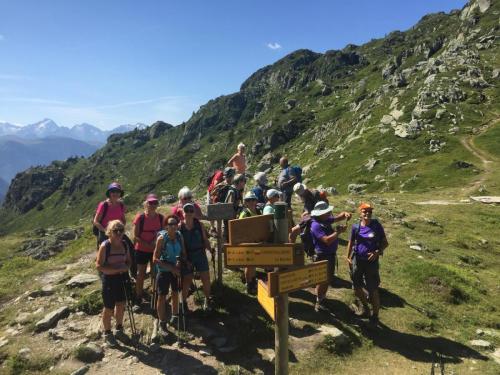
(366, 244)
(325, 239)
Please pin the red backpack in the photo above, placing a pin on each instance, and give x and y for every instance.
(216, 178)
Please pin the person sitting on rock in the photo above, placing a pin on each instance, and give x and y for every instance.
(113, 262)
(273, 196)
(146, 227)
(108, 210)
(238, 160)
(186, 196)
(250, 210)
(168, 252)
(309, 197)
(366, 244)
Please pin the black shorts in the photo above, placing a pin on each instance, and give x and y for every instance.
(331, 263)
(142, 257)
(165, 281)
(113, 289)
(365, 274)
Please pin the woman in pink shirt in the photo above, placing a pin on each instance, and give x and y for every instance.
(238, 161)
(110, 209)
(147, 224)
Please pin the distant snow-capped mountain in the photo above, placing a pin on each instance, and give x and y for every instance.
(48, 128)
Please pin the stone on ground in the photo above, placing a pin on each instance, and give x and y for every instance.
(82, 280)
(51, 319)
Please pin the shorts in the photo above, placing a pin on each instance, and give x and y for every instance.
(165, 281)
(331, 263)
(199, 262)
(113, 289)
(141, 257)
(365, 274)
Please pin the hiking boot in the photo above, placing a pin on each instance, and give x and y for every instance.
(321, 306)
(120, 335)
(374, 320)
(162, 329)
(109, 339)
(174, 319)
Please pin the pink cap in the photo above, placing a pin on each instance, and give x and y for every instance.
(151, 198)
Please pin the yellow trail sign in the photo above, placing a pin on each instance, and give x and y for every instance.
(265, 301)
(264, 255)
(299, 278)
(251, 229)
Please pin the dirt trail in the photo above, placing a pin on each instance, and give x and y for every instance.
(486, 159)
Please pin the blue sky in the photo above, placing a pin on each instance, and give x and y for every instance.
(110, 62)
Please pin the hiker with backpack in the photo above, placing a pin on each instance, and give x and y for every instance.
(250, 209)
(366, 244)
(287, 178)
(219, 193)
(261, 188)
(108, 210)
(186, 196)
(113, 262)
(146, 227)
(215, 178)
(196, 242)
(324, 238)
(169, 247)
(272, 196)
(238, 161)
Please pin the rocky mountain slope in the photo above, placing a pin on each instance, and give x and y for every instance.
(385, 116)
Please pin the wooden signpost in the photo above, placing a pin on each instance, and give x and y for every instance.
(268, 303)
(252, 229)
(264, 255)
(219, 212)
(296, 279)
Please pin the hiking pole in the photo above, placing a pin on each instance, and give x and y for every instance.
(180, 306)
(130, 311)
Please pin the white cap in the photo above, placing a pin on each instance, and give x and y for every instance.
(299, 188)
(273, 193)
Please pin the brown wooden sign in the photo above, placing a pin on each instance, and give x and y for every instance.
(252, 229)
(299, 278)
(264, 255)
(268, 303)
(220, 211)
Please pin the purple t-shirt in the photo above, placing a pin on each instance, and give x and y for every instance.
(368, 238)
(319, 229)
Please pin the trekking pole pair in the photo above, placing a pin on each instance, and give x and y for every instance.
(180, 306)
(128, 304)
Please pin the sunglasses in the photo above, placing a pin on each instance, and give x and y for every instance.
(366, 211)
(120, 231)
(172, 224)
(153, 203)
(114, 191)
(189, 211)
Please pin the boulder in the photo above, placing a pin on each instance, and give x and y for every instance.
(440, 113)
(463, 164)
(356, 188)
(495, 74)
(68, 234)
(481, 344)
(370, 164)
(484, 5)
(393, 169)
(496, 356)
(24, 352)
(409, 130)
(81, 280)
(89, 353)
(386, 119)
(51, 319)
(336, 333)
(290, 103)
(158, 128)
(396, 114)
(81, 371)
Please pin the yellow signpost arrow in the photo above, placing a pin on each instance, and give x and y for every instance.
(291, 280)
(264, 255)
(268, 303)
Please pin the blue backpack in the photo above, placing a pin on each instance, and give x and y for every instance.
(296, 171)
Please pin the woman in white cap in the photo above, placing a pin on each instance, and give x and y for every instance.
(147, 224)
(261, 188)
(325, 240)
(272, 196)
(185, 195)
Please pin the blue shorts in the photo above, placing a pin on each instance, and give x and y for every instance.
(365, 274)
(199, 262)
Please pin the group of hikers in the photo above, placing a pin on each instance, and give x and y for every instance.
(175, 246)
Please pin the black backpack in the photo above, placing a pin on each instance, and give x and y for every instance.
(306, 237)
(95, 230)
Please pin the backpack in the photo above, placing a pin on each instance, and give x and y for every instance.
(95, 230)
(296, 171)
(216, 178)
(142, 218)
(107, 243)
(164, 254)
(306, 237)
(219, 192)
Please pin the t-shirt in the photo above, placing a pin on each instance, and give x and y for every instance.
(268, 209)
(114, 212)
(260, 193)
(193, 238)
(177, 211)
(368, 238)
(319, 229)
(310, 201)
(239, 163)
(285, 175)
(247, 213)
(171, 249)
(152, 225)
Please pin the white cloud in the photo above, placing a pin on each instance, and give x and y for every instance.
(274, 45)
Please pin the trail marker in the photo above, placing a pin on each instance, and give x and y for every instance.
(264, 255)
(268, 303)
(252, 229)
(291, 280)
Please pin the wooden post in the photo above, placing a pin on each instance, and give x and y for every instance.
(281, 314)
(219, 251)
